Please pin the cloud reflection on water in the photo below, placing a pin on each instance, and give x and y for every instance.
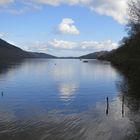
(67, 91)
(66, 78)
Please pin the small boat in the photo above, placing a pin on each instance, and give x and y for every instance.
(85, 61)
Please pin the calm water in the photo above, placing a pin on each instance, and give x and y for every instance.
(64, 100)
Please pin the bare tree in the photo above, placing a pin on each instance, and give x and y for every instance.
(134, 17)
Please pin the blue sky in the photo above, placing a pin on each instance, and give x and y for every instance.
(63, 28)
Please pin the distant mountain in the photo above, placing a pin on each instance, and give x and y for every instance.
(70, 57)
(41, 55)
(94, 55)
(8, 50)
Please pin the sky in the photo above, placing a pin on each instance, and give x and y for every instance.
(63, 27)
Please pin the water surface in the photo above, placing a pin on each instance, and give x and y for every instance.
(60, 99)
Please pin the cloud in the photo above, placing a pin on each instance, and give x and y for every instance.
(2, 34)
(67, 27)
(50, 2)
(61, 44)
(67, 48)
(36, 46)
(83, 46)
(5, 2)
(114, 8)
(59, 2)
(18, 7)
(5, 35)
(98, 46)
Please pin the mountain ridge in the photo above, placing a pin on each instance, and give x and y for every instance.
(8, 50)
(95, 55)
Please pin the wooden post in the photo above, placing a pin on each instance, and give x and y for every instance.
(107, 107)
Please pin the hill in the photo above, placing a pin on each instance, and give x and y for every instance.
(94, 55)
(8, 50)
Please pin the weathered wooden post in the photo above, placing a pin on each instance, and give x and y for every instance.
(107, 107)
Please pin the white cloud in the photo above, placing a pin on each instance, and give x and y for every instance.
(83, 46)
(18, 7)
(114, 8)
(4, 35)
(67, 27)
(66, 48)
(98, 46)
(4, 2)
(36, 46)
(58, 2)
(50, 2)
(61, 44)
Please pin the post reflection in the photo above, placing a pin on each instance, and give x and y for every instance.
(2, 93)
(123, 106)
(129, 89)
